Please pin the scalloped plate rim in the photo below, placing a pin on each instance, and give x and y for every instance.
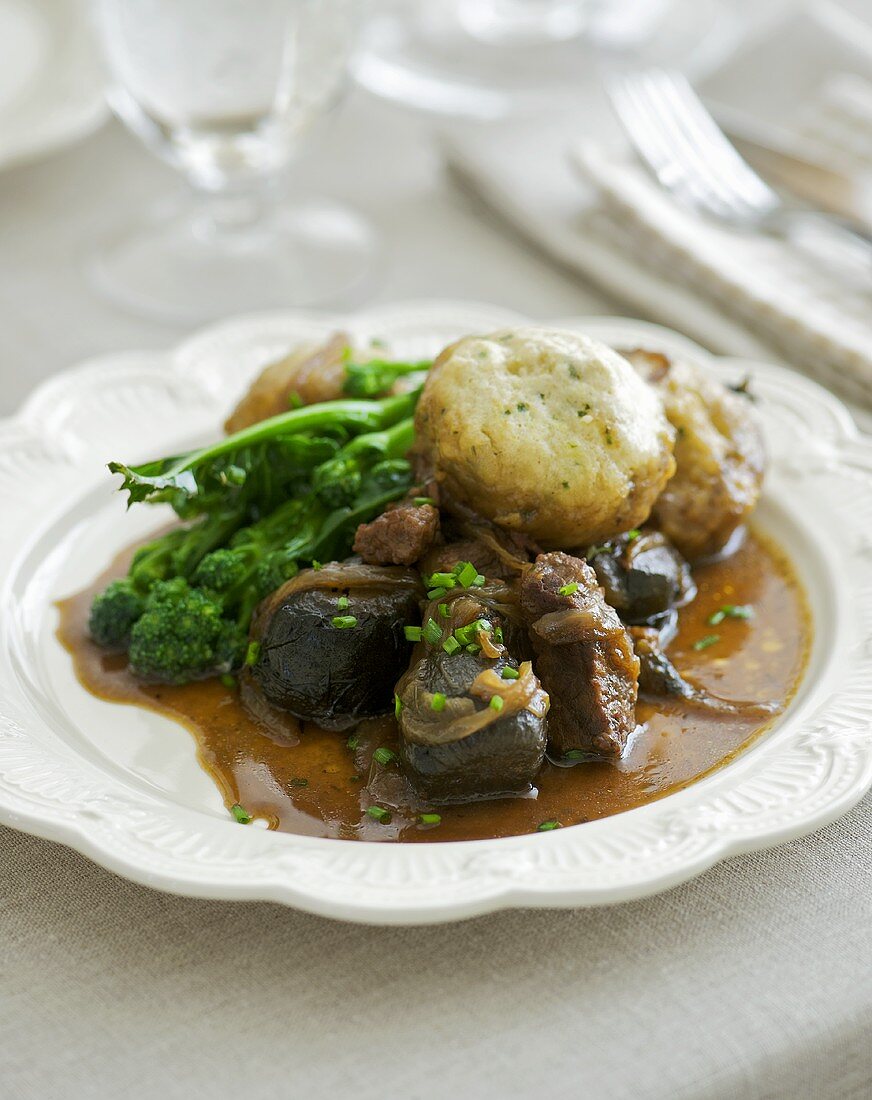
(88, 836)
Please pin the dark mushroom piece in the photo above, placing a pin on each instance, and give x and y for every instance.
(332, 641)
(472, 724)
(584, 657)
(659, 677)
(642, 575)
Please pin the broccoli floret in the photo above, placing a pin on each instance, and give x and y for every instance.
(113, 613)
(221, 571)
(182, 636)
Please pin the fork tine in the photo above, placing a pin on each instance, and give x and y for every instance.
(701, 128)
(651, 141)
(719, 196)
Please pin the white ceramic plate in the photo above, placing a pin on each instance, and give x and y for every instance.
(123, 786)
(51, 83)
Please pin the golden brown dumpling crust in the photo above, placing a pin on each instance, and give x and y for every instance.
(719, 453)
(545, 432)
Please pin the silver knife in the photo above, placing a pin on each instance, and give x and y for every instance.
(845, 195)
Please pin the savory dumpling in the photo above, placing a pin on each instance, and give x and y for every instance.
(546, 432)
(719, 454)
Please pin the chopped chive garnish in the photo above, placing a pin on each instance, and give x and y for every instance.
(344, 622)
(316, 565)
(252, 653)
(228, 681)
(342, 603)
(443, 580)
(384, 755)
(465, 634)
(432, 632)
(379, 814)
(467, 574)
(353, 741)
(398, 705)
(430, 819)
(438, 701)
(509, 673)
(496, 702)
(568, 589)
(575, 754)
(633, 535)
(436, 593)
(730, 611)
(241, 815)
(547, 826)
(451, 645)
(413, 633)
(708, 640)
(478, 581)
(498, 635)
(474, 648)
(443, 610)
(423, 500)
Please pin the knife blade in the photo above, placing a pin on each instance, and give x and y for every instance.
(847, 195)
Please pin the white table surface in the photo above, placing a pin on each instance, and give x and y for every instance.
(754, 981)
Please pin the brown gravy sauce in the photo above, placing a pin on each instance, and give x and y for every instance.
(302, 779)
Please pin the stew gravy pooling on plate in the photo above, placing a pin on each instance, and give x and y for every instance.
(302, 779)
(509, 590)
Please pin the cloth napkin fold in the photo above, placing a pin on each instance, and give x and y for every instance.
(600, 214)
(569, 184)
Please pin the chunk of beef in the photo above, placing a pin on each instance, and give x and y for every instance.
(401, 535)
(584, 657)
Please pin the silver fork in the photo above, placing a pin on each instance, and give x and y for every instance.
(674, 134)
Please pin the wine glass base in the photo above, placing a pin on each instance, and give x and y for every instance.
(181, 265)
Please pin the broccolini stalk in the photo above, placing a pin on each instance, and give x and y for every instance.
(375, 377)
(163, 479)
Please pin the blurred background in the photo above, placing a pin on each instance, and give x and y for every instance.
(167, 163)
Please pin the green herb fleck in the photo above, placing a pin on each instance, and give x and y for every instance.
(437, 593)
(547, 826)
(442, 580)
(342, 603)
(575, 754)
(633, 534)
(316, 565)
(241, 815)
(730, 611)
(708, 640)
(252, 654)
(568, 589)
(451, 646)
(344, 622)
(509, 673)
(467, 574)
(497, 702)
(438, 701)
(430, 819)
(380, 814)
(384, 755)
(423, 500)
(443, 610)
(398, 705)
(228, 681)
(412, 633)
(353, 741)
(522, 407)
(432, 632)
(573, 371)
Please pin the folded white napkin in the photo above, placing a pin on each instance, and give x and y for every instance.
(592, 207)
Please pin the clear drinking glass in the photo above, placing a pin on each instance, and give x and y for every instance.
(223, 90)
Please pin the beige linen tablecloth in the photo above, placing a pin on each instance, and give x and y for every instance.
(751, 982)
